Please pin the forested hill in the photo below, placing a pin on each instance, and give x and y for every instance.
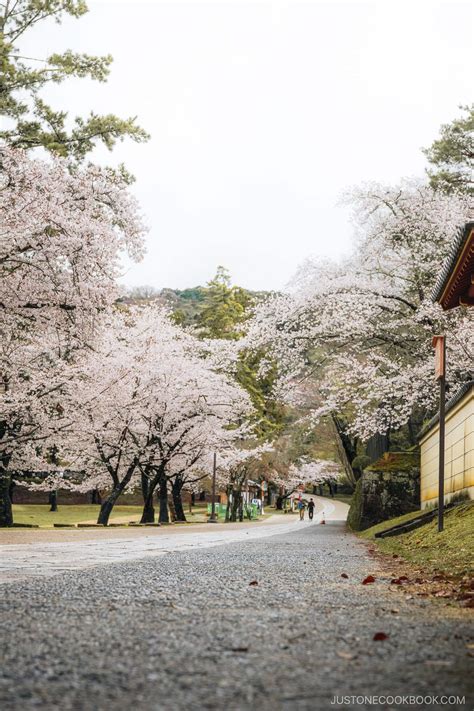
(187, 304)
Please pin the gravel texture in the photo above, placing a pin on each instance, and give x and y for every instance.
(187, 631)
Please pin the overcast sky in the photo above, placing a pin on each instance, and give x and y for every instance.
(261, 113)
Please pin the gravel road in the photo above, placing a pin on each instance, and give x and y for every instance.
(187, 631)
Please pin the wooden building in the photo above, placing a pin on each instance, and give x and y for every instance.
(455, 285)
(454, 288)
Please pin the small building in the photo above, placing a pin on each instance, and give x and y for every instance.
(454, 288)
(459, 450)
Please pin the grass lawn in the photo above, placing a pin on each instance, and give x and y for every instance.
(40, 514)
(451, 551)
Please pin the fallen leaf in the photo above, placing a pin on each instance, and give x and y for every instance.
(253, 582)
(395, 581)
(345, 655)
(403, 577)
(344, 575)
(369, 579)
(380, 636)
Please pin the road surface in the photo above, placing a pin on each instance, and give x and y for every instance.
(50, 552)
(267, 623)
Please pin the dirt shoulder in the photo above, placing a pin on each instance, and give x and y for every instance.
(427, 564)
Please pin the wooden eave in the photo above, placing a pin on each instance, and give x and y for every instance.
(455, 286)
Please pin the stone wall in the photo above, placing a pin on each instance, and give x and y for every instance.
(388, 488)
(459, 450)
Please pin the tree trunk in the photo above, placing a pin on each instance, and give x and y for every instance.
(95, 497)
(6, 514)
(176, 489)
(163, 496)
(230, 497)
(344, 448)
(171, 509)
(148, 513)
(145, 486)
(53, 500)
(109, 503)
(236, 505)
(148, 490)
(412, 435)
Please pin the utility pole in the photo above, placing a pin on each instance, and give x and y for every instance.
(439, 344)
(213, 517)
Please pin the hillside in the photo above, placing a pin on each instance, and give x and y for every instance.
(187, 304)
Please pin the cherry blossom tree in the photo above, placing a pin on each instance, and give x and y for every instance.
(62, 234)
(236, 464)
(147, 405)
(305, 473)
(362, 328)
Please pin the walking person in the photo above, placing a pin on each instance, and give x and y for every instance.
(311, 506)
(301, 507)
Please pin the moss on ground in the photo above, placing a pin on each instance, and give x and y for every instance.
(451, 551)
(395, 461)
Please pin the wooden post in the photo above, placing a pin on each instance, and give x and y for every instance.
(439, 343)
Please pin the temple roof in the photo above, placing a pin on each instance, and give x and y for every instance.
(455, 285)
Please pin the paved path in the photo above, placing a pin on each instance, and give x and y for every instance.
(67, 550)
(188, 631)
